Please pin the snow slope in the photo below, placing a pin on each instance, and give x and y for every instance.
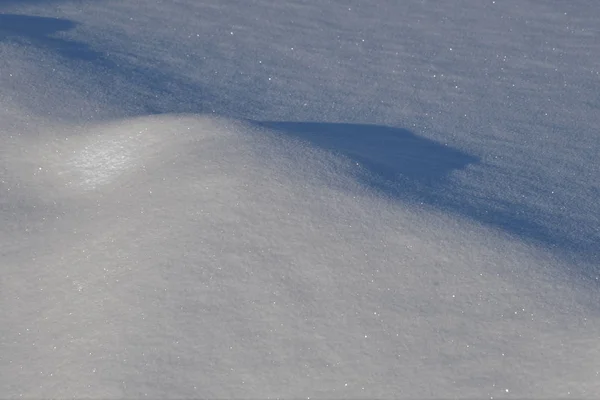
(299, 199)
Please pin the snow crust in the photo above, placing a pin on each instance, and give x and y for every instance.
(298, 199)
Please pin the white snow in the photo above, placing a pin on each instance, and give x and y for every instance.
(299, 199)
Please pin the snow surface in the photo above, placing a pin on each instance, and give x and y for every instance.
(307, 198)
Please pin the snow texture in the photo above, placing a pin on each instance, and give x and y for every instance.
(299, 199)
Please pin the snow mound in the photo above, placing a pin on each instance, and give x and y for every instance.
(190, 256)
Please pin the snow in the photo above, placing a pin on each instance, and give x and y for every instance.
(341, 199)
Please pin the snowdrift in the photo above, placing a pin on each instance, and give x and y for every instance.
(193, 256)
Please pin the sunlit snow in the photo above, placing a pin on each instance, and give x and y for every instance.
(299, 199)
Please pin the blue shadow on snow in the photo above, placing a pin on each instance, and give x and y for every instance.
(413, 169)
(388, 154)
(40, 30)
(160, 91)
